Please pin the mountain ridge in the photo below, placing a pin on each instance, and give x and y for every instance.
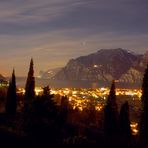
(105, 65)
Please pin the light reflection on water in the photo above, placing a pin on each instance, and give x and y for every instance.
(75, 84)
(20, 81)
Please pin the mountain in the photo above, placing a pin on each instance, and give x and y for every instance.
(49, 74)
(105, 65)
(3, 81)
(132, 76)
(2, 77)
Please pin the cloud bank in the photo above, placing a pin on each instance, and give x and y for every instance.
(52, 32)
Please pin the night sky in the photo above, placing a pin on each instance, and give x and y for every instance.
(54, 31)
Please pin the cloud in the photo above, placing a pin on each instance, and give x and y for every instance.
(31, 16)
(54, 49)
(35, 11)
(54, 31)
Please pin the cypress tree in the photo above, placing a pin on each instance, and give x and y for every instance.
(63, 114)
(46, 91)
(144, 98)
(49, 103)
(30, 83)
(125, 129)
(111, 117)
(11, 102)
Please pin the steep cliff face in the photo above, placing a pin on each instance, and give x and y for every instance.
(131, 76)
(103, 65)
(49, 74)
(3, 80)
(2, 77)
(76, 70)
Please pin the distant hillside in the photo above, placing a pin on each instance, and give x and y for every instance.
(105, 65)
(2, 77)
(3, 80)
(49, 74)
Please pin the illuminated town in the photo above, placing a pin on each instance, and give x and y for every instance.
(80, 98)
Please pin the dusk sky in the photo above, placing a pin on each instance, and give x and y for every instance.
(54, 31)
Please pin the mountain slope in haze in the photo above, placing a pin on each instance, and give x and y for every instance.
(3, 80)
(49, 74)
(2, 77)
(105, 65)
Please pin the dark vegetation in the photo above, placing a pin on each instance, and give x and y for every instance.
(47, 119)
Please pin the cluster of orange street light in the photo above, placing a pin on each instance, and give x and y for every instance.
(80, 97)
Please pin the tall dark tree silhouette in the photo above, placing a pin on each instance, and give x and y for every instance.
(64, 107)
(29, 97)
(41, 117)
(144, 116)
(63, 112)
(49, 103)
(30, 84)
(125, 129)
(46, 91)
(111, 116)
(11, 102)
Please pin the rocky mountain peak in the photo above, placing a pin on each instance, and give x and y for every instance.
(105, 64)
